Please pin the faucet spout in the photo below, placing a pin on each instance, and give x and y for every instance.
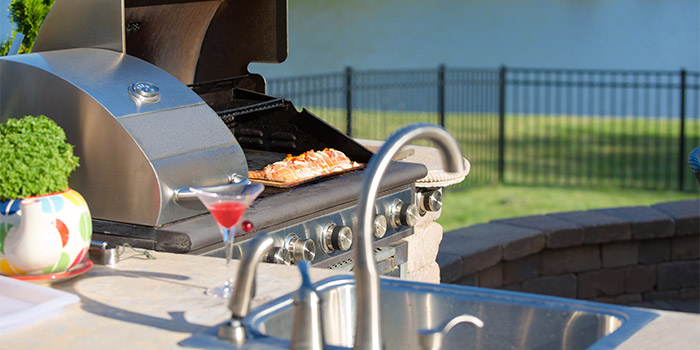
(245, 279)
(367, 329)
(244, 288)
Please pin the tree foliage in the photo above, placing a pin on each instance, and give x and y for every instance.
(27, 17)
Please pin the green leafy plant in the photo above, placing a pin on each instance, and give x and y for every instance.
(27, 17)
(35, 158)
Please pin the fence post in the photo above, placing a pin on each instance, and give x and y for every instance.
(501, 122)
(441, 94)
(682, 157)
(348, 99)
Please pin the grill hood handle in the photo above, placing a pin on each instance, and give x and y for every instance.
(184, 194)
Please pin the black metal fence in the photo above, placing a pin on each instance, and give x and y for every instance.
(604, 128)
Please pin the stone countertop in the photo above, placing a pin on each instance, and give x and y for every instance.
(146, 304)
(671, 330)
(155, 304)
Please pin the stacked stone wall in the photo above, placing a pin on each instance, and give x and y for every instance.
(618, 255)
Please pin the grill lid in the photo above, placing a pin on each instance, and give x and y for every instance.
(193, 40)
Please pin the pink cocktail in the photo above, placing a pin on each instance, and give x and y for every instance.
(227, 214)
(227, 204)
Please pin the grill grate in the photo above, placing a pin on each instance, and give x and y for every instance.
(228, 114)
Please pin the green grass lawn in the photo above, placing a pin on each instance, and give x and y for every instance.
(482, 204)
(559, 162)
(563, 150)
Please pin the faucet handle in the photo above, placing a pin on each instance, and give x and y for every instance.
(308, 327)
(431, 339)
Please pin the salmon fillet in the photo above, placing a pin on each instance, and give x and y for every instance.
(304, 166)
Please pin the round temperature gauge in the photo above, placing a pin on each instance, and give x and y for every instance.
(144, 92)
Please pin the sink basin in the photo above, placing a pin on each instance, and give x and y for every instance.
(511, 320)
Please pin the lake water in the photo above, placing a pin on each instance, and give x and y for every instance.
(326, 36)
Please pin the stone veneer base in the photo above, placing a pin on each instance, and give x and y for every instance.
(619, 255)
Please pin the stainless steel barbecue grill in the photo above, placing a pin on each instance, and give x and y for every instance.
(156, 97)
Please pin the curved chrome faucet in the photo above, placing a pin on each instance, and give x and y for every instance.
(367, 330)
(244, 289)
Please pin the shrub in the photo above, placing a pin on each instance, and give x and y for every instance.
(35, 158)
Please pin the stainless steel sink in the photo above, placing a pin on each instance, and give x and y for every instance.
(511, 320)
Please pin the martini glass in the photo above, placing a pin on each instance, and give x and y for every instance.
(227, 204)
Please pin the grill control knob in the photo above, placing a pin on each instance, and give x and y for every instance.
(429, 200)
(300, 249)
(405, 214)
(380, 226)
(336, 237)
(278, 256)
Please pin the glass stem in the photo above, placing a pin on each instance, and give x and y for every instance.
(228, 245)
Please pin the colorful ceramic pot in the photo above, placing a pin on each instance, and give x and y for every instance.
(44, 234)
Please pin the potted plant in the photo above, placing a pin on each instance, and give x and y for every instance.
(45, 227)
